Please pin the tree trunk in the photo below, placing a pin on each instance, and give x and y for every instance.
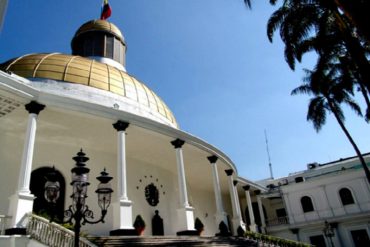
(367, 101)
(343, 127)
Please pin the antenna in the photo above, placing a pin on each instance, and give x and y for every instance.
(268, 155)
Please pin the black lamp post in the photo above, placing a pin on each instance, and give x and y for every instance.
(79, 212)
(328, 232)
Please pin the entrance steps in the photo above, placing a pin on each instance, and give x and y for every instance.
(172, 241)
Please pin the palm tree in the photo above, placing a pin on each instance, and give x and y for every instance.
(329, 91)
(303, 21)
(357, 11)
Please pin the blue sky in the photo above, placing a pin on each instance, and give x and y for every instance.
(211, 62)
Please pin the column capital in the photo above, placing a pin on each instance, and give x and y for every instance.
(246, 187)
(257, 192)
(120, 125)
(177, 143)
(34, 107)
(229, 172)
(235, 182)
(212, 159)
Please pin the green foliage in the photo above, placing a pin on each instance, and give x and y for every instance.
(68, 226)
(275, 240)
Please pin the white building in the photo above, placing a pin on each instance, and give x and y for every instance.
(54, 104)
(336, 192)
(51, 105)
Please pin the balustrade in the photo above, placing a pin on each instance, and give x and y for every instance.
(52, 234)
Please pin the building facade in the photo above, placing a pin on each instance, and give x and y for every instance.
(335, 192)
(52, 105)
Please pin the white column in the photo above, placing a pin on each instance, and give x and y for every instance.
(22, 201)
(252, 225)
(260, 208)
(237, 219)
(122, 208)
(220, 214)
(185, 212)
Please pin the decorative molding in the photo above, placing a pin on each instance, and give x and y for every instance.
(213, 159)
(120, 125)
(177, 143)
(246, 187)
(229, 172)
(257, 192)
(34, 107)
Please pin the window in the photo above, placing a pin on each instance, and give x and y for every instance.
(307, 205)
(109, 47)
(346, 196)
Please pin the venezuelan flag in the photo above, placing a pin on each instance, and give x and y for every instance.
(106, 11)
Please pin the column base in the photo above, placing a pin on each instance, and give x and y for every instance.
(188, 233)
(122, 215)
(16, 231)
(20, 204)
(185, 218)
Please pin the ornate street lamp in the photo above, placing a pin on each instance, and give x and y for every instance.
(328, 232)
(79, 213)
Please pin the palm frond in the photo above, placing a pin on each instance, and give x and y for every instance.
(317, 112)
(354, 106)
(303, 89)
(275, 21)
(248, 3)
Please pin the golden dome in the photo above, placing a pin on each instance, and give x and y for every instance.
(100, 25)
(79, 70)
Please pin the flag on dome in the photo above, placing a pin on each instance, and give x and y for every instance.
(106, 10)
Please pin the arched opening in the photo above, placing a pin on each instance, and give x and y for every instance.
(346, 196)
(40, 205)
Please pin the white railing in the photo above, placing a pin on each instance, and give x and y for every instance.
(3, 223)
(52, 234)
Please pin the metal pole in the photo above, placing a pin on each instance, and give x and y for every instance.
(77, 227)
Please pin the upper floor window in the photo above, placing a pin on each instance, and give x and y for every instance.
(307, 205)
(346, 196)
